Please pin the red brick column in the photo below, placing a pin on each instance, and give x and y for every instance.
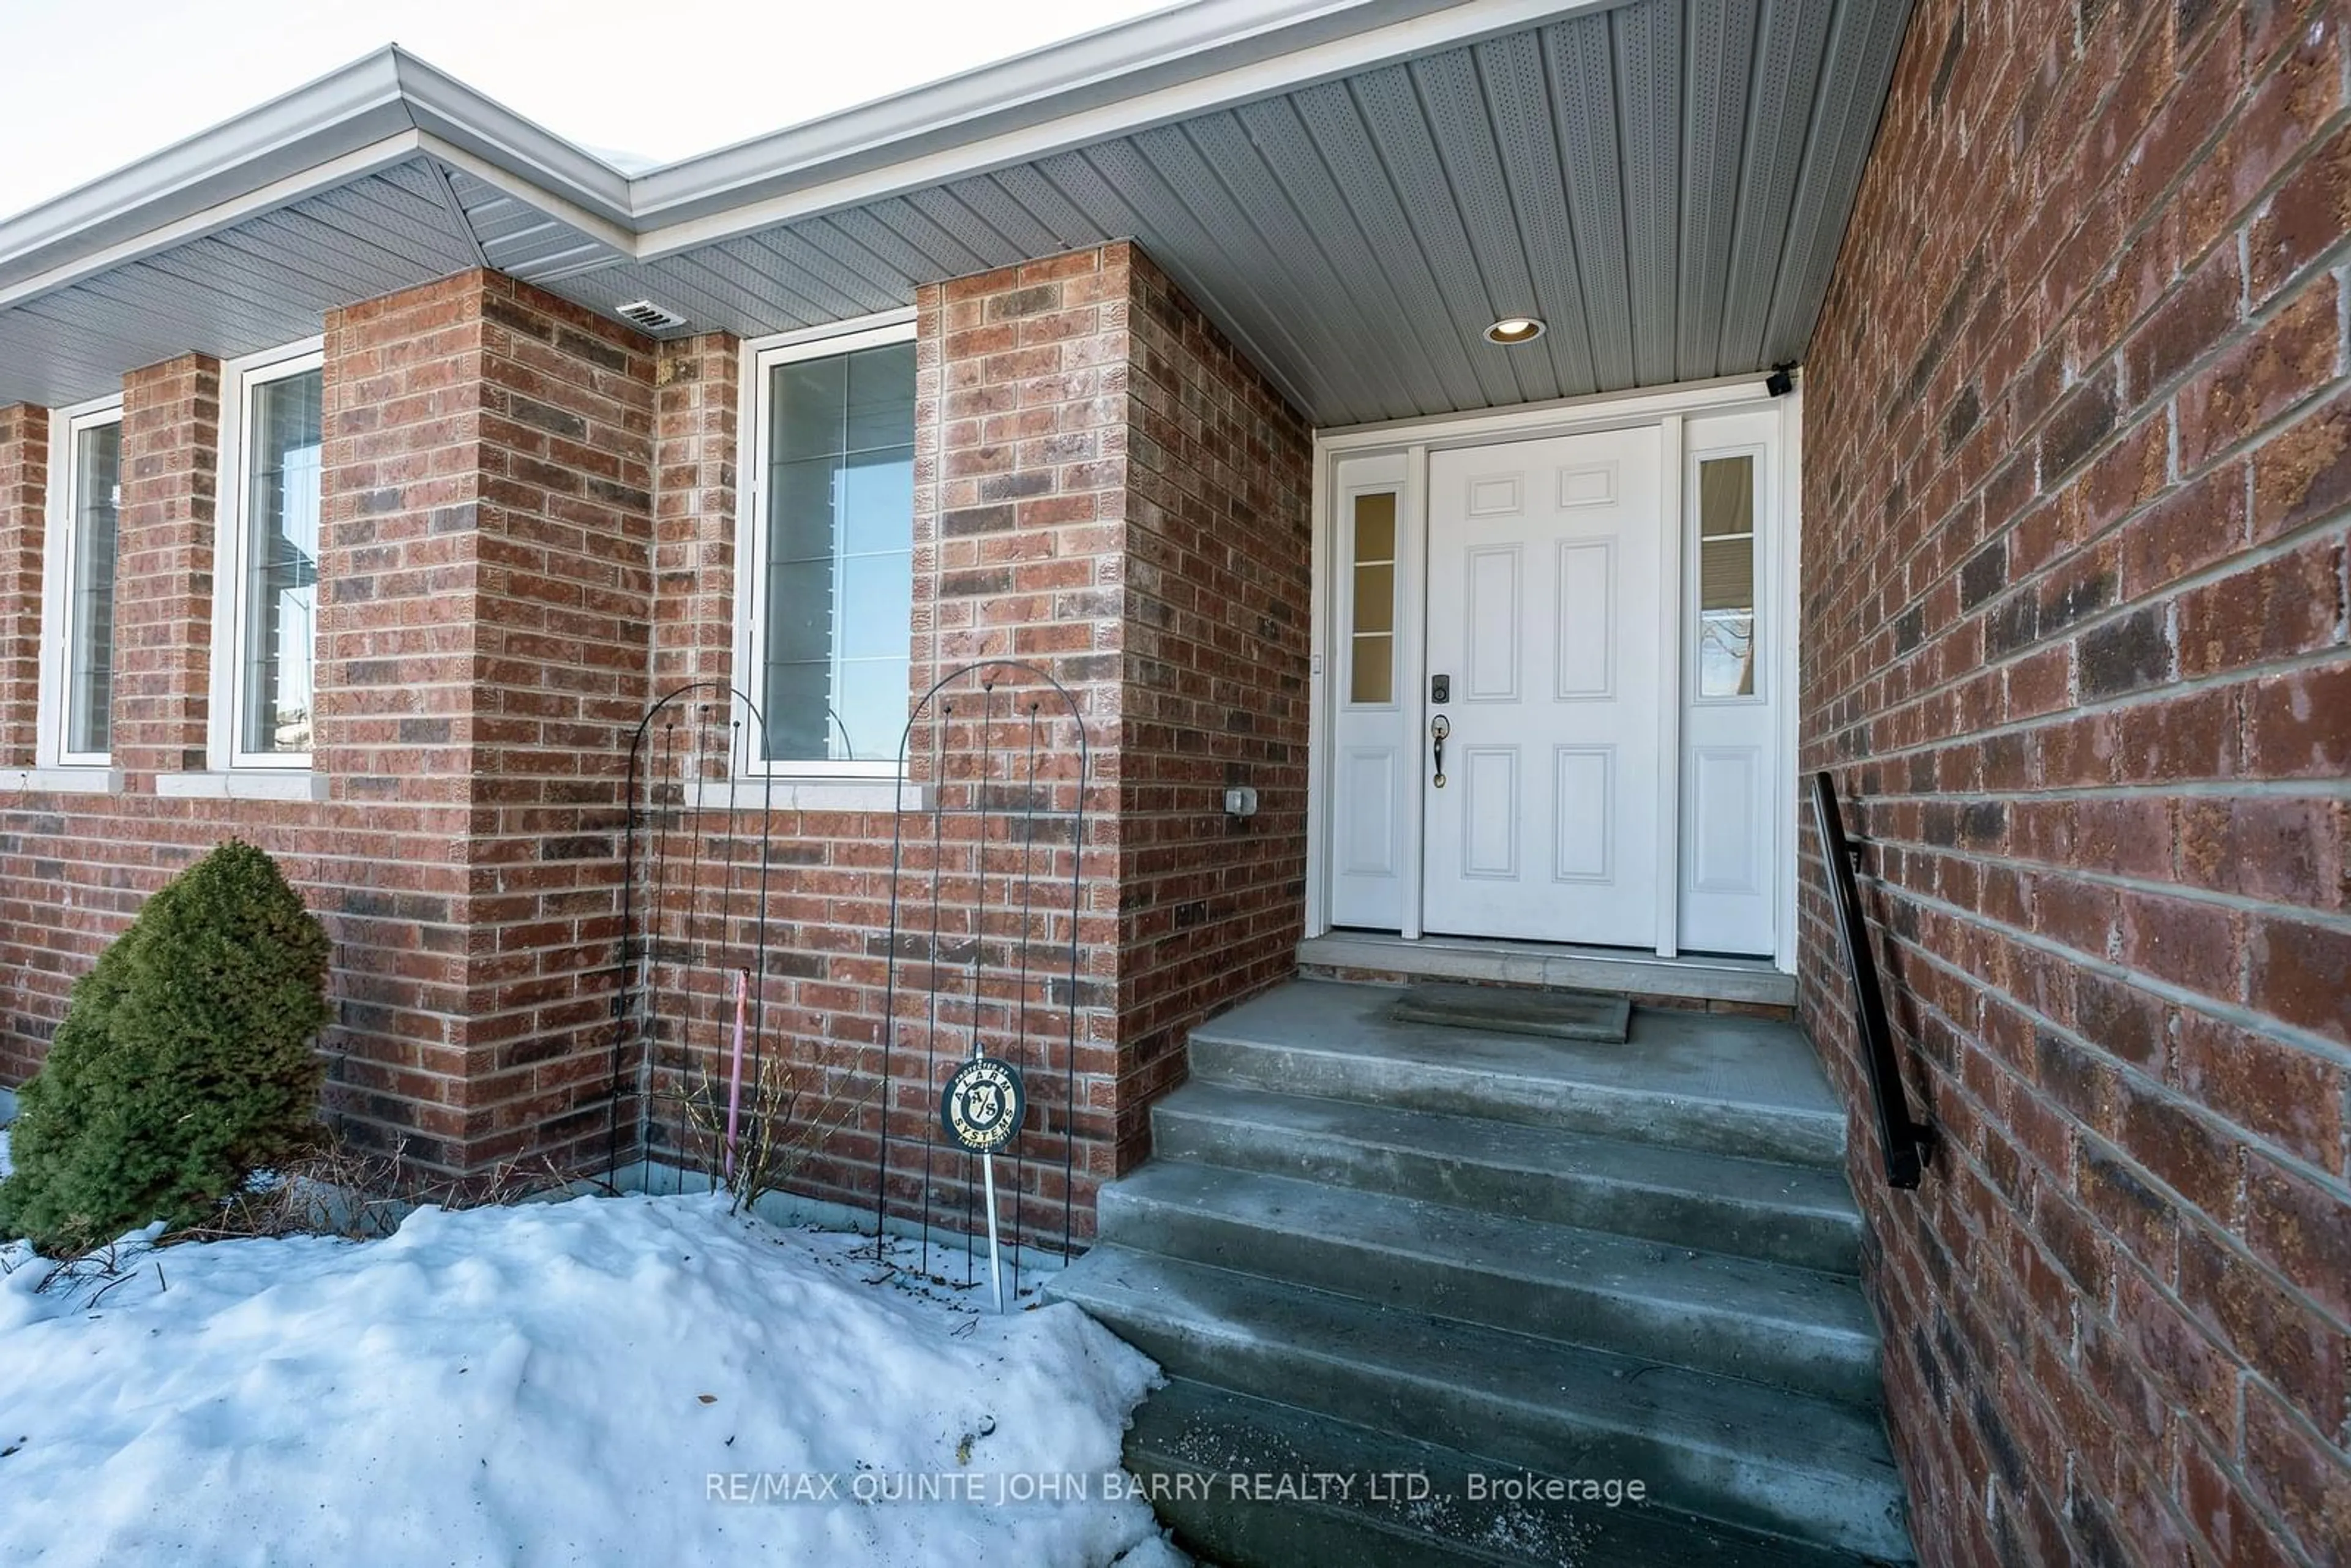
(696, 385)
(397, 562)
(487, 526)
(1020, 551)
(23, 499)
(163, 573)
(2077, 500)
(1123, 501)
(401, 399)
(1218, 582)
(563, 603)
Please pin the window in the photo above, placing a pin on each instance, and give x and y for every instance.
(1371, 670)
(96, 498)
(1726, 576)
(270, 535)
(86, 479)
(831, 622)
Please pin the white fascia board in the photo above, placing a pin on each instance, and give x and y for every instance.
(453, 114)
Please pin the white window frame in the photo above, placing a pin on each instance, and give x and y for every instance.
(239, 380)
(51, 747)
(1399, 579)
(761, 358)
(1757, 542)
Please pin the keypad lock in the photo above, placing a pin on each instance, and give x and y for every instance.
(1440, 688)
(1438, 728)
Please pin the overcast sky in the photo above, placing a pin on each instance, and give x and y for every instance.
(87, 87)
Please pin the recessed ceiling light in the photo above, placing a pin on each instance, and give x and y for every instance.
(1514, 330)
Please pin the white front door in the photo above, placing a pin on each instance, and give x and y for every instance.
(1546, 608)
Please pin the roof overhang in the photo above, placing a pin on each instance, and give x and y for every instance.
(391, 105)
(390, 138)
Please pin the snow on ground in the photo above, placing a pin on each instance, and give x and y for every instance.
(599, 1381)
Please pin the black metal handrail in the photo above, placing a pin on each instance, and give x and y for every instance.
(1907, 1145)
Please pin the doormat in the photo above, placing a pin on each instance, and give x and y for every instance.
(1512, 1009)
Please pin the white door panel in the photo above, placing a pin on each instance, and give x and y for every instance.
(1724, 836)
(1583, 809)
(1587, 620)
(1544, 600)
(1489, 820)
(1495, 646)
(1367, 814)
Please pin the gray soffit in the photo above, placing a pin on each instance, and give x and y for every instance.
(1353, 189)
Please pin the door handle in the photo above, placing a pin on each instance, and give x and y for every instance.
(1438, 728)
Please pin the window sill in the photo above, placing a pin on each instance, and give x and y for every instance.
(245, 784)
(806, 795)
(64, 781)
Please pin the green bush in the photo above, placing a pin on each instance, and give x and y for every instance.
(183, 1064)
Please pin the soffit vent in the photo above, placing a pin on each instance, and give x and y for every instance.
(651, 318)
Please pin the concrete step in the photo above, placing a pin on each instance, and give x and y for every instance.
(1740, 1317)
(1713, 1082)
(1371, 1500)
(1798, 1215)
(1490, 961)
(1756, 1458)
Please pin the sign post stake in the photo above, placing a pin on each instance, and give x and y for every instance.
(735, 1075)
(995, 1258)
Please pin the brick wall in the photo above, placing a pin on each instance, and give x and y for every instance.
(1103, 492)
(396, 578)
(485, 580)
(695, 405)
(1021, 553)
(562, 605)
(528, 535)
(2074, 624)
(75, 866)
(487, 574)
(1217, 589)
(162, 690)
(24, 500)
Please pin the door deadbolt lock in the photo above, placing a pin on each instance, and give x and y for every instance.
(1440, 688)
(1438, 728)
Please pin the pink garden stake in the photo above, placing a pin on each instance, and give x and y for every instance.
(734, 1076)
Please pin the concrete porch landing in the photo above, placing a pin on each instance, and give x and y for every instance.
(1705, 1080)
(1370, 1246)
